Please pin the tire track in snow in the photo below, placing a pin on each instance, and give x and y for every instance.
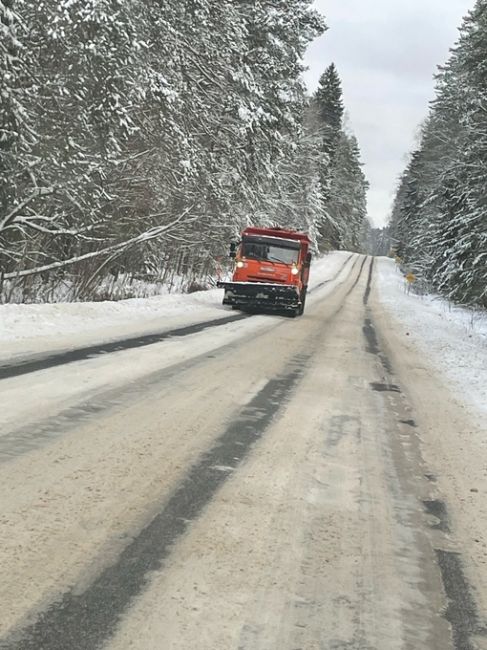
(81, 354)
(83, 621)
(44, 362)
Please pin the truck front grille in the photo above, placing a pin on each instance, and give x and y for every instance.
(273, 280)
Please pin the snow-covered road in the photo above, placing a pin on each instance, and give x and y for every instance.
(27, 330)
(261, 483)
(64, 384)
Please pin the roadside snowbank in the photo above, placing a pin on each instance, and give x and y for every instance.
(30, 328)
(452, 338)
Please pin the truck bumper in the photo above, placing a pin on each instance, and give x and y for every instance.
(260, 295)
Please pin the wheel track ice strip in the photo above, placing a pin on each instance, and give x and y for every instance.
(85, 621)
(43, 362)
(461, 610)
(80, 354)
(25, 439)
(369, 283)
(356, 281)
(325, 282)
(18, 441)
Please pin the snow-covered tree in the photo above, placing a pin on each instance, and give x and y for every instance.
(440, 212)
(17, 136)
(342, 182)
(138, 136)
(347, 204)
(329, 100)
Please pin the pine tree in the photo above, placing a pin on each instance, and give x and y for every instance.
(464, 275)
(329, 107)
(348, 203)
(342, 182)
(440, 213)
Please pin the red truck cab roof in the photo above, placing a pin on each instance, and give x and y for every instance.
(279, 233)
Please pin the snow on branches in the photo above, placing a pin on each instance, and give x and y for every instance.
(156, 127)
(440, 214)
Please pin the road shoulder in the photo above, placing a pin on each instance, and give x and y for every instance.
(453, 446)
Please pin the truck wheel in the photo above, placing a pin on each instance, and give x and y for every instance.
(303, 302)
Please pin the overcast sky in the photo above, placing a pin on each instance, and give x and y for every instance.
(386, 52)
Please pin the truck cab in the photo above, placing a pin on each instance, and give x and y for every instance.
(271, 271)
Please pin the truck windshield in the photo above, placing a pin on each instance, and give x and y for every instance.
(272, 252)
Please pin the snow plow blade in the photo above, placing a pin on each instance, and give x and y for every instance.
(249, 295)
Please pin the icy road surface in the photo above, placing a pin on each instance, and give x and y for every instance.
(262, 483)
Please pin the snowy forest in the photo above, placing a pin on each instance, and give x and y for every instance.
(137, 138)
(439, 220)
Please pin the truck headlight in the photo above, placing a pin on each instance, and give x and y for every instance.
(240, 265)
(295, 270)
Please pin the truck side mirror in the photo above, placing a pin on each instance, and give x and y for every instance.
(233, 250)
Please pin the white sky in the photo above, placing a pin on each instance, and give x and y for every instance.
(386, 52)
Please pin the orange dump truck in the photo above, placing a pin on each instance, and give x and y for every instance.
(271, 271)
